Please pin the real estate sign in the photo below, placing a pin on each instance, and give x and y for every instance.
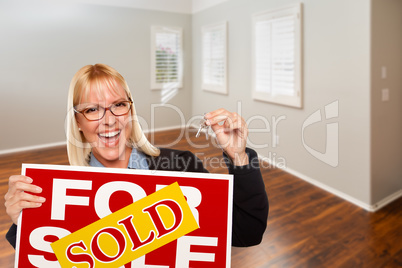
(104, 217)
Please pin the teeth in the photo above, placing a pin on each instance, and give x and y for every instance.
(109, 134)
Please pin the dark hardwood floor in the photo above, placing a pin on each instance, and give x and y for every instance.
(307, 226)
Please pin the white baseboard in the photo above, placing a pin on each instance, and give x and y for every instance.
(330, 189)
(34, 147)
(351, 199)
(385, 201)
(372, 208)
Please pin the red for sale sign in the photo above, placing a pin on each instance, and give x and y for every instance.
(77, 197)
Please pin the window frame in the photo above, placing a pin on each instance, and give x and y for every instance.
(166, 29)
(294, 10)
(221, 89)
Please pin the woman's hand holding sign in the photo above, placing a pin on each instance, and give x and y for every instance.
(20, 196)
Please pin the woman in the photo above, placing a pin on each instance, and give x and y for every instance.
(103, 131)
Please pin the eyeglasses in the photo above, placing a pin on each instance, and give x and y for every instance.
(96, 112)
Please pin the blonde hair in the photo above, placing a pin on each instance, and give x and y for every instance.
(95, 77)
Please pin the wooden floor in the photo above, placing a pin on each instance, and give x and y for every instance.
(307, 227)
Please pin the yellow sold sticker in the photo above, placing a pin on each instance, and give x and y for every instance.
(129, 233)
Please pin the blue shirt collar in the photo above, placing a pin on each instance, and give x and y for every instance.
(137, 160)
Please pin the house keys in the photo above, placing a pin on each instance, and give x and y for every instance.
(203, 125)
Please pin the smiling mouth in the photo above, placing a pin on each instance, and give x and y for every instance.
(109, 138)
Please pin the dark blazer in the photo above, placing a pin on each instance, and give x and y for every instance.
(250, 201)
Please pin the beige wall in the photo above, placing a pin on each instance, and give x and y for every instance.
(386, 122)
(43, 44)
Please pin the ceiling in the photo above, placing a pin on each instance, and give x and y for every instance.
(180, 6)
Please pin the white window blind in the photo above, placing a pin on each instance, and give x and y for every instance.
(277, 56)
(166, 57)
(214, 70)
